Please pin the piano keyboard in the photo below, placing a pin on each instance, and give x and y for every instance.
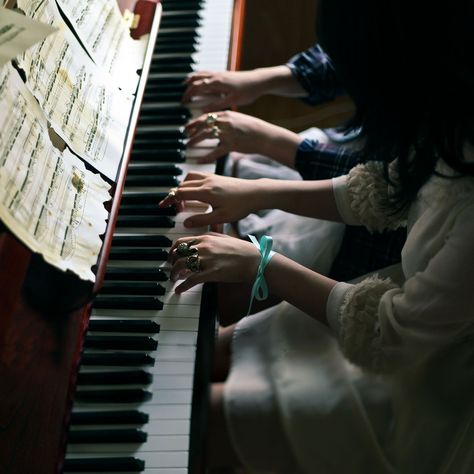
(132, 410)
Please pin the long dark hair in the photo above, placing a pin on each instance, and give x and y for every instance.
(408, 66)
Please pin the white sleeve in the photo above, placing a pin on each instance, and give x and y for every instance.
(382, 326)
(362, 197)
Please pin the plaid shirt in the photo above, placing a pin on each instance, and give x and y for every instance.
(361, 252)
(314, 71)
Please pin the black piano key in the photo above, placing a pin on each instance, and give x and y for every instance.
(125, 325)
(135, 273)
(127, 435)
(165, 86)
(115, 417)
(176, 48)
(144, 240)
(176, 5)
(182, 66)
(149, 141)
(142, 197)
(150, 153)
(127, 302)
(169, 85)
(153, 77)
(151, 180)
(161, 119)
(189, 14)
(180, 22)
(147, 210)
(164, 96)
(176, 36)
(136, 253)
(160, 134)
(135, 395)
(121, 464)
(126, 359)
(172, 59)
(124, 343)
(163, 222)
(129, 377)
(153, 168)
(152, 107)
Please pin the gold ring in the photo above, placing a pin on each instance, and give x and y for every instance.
(172, 194)
(211, 119)
(193, 262)
(216, 131)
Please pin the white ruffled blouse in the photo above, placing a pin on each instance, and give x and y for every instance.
(382, 325)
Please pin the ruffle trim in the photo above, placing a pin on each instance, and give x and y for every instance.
(360, 336)
(369, 195)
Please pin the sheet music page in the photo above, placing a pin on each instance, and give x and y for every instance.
(18, 33)
(47, 198)
(88, 112)
(106, 36)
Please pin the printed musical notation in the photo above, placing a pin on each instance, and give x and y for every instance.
(88, 112)
(47, 198)
(106, 37)
(18, 33)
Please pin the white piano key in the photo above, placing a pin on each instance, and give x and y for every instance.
(170, 409)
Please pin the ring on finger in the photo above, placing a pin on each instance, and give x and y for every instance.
(206, 81)
(184, 249)
(211, 119)
(193, 262)
(172, 194)
(216, 131)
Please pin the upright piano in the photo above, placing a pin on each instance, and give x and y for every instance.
(113, 377)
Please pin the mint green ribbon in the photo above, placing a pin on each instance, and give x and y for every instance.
(260, 287)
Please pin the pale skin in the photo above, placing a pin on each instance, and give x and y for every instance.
(245, 134)
(228, 259)
(233, 88)
(239, 132)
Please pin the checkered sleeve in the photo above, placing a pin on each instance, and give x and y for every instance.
(314, 71)
(315, 160)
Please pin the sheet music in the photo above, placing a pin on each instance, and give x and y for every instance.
(47, 198)
(83, 107)
(18, 33)
(106, 36)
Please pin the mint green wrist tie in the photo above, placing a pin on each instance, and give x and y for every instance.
(260, 288)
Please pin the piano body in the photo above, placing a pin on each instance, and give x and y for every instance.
(45, 399)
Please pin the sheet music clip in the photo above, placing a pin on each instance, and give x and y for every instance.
(131, 19)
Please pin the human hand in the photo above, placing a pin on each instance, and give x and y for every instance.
(217, 257)
(235, 131)
(224, 89)
(230, 198)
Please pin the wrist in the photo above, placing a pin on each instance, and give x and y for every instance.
(282, 146)
(272, 80)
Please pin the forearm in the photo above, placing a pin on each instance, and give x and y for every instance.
(306, 198)
(278, 80)
(299, 286)
(282, 146)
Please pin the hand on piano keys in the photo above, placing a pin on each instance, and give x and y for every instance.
(220, 90)
(135, 386)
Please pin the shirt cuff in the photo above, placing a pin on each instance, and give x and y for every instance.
(339, 186)
(334, 302)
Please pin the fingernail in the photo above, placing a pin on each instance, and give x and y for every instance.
(188, 223)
